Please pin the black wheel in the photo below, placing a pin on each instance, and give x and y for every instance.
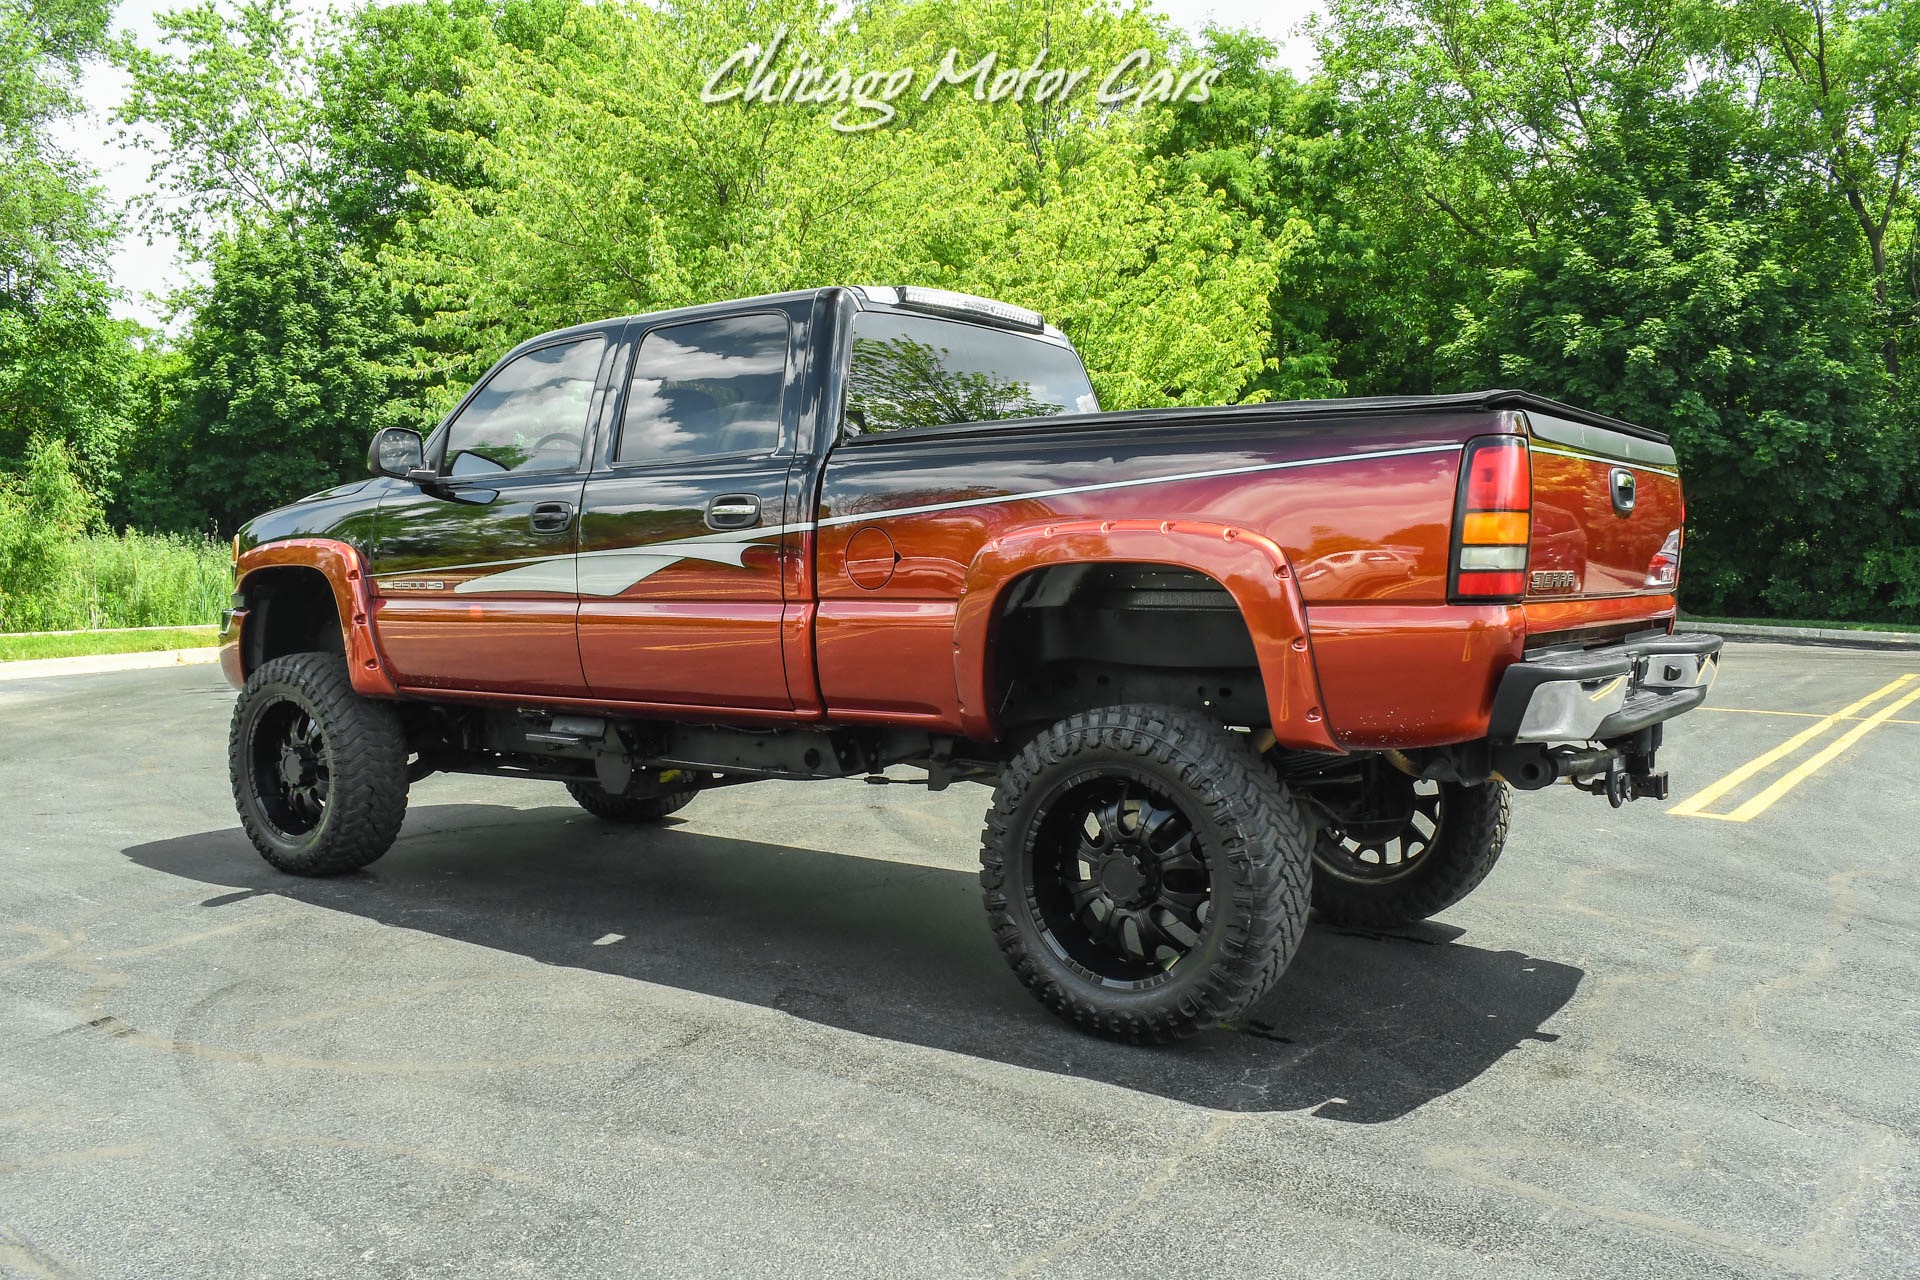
(319, 773)
(1146, 876)
(603, 804)
(1414, 849)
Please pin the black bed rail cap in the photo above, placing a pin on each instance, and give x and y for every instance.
(1289, 411)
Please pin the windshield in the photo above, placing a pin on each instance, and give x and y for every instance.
(914, 371)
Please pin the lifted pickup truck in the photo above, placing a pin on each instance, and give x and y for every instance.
(1217, 663)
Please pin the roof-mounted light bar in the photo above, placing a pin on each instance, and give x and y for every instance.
(963, 306)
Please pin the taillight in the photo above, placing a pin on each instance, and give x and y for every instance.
(1664, 569)
(1492, 520)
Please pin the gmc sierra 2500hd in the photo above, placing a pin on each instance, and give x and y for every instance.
(1217, 663)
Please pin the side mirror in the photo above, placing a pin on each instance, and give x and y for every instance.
(395, 451)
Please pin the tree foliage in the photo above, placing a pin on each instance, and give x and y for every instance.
(606, 186)
(60, 379)
(1691, 214)
(279, 384)
(231, 98)
(1676, 214)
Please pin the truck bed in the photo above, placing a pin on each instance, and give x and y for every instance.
(1359, 494)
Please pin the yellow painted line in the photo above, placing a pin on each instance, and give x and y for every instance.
(1759, 803)
(1698, 801)
(1797, 715)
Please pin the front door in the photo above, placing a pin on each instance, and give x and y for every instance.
(683, 532)
(475, 577)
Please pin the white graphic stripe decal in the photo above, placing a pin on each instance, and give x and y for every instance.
(610, 572)
(614, 570)
(556, 573)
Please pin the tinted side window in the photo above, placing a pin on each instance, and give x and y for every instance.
(705, 388)
(912, 372)
(530, 416)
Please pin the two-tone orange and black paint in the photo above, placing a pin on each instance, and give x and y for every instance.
(1369, 596)
(868, 593)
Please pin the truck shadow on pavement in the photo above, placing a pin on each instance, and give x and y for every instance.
(1361, 1028)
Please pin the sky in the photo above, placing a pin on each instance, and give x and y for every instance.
(142, 269)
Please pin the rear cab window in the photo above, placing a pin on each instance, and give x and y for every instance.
(919, 371)
(706, 388)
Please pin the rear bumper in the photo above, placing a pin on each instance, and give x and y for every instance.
(1599, 695)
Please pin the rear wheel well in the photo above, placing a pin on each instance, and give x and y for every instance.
(1071, 638)
(290, 609)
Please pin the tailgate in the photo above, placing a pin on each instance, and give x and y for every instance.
(1604, 504)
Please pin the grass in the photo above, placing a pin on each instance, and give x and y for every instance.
(1798, 622)
(104, 581)
(14, 648)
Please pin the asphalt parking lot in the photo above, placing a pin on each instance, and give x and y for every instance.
(775, 1037)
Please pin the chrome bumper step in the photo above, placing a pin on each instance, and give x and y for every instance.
(1596, 695)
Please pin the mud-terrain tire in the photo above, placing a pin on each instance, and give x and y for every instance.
(319, 772)
(606, 806)
(1469, 831)
(1156, 818)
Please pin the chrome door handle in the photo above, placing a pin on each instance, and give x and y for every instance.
(733, 511)
(551, 517)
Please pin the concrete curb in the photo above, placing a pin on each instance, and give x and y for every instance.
(94, 663)
(1807, 635)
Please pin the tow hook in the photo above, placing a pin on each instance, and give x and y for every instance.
(1628, 773)
(1620, 786)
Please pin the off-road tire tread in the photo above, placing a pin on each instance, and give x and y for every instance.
(1270, 850)
(606, 806)
(367, 749)
(1473, 833)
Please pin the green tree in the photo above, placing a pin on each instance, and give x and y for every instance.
(1839, 88)
(391, 83)
(280, 383)
(230, 102)
(607, 186)
(289, 151)
(1623, 207)
(1360, 298)
(60, 353)
(1680, 310)
(1696, 216)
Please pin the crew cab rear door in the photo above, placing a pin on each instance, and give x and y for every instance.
(1604, 504)
(685, 528)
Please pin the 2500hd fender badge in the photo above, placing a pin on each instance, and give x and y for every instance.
(415, 584)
